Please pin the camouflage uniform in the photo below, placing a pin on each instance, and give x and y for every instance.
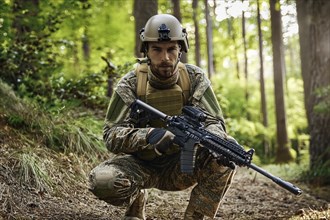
(136, 166)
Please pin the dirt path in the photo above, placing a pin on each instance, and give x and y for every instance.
(248, 198)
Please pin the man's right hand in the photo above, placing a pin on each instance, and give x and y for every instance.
(161, 139)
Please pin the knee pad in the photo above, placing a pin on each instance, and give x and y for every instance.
(110, 184)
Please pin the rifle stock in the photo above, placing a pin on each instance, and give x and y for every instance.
(189, 130)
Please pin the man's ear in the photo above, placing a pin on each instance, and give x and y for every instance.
(180, 53)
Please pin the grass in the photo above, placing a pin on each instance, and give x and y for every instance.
(289, 171)
(33, 172)
(48, 150)
(65, 131)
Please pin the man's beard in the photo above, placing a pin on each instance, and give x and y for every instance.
(164, 70)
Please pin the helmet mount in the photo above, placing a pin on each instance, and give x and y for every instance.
(163, 33)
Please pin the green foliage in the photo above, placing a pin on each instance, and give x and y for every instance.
(231, 96)
(26, 54)
(230, 92)
(291, 171)
(249, 134)
(319, 176)
(323, 94)
(107, 26)
(16, 121)
(32, 58)
(64, 130)
(17, 113)
(89, 89)
(319, 172)
(295, 109)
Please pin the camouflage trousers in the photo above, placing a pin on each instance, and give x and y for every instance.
(119, 180)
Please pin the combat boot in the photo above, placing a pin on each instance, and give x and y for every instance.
(136, 211)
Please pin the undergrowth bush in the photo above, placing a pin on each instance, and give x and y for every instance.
(61, 131)
(52, 149)
(244, 121)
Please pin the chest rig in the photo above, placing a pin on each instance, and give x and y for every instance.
(171, 100)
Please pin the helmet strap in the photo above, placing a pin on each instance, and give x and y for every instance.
(179, 56)
(148, 60)
(178, 60)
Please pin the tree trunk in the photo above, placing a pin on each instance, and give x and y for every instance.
(231, 33)
(304, 20)
(85, 45)
(246, 75)
(209, 36)
(25, 22)
(262, 84)
(26, 17)
(283, 151)
(85, 38)
(177, 14)
(314, 32)
(197, 40)
(142, 12)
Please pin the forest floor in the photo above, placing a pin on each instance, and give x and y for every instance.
(38, 183)
(251, 196)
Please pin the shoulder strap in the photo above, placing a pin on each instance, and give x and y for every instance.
(184, 81)
(141, 72)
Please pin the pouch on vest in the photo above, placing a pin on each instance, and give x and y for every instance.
(169, 101)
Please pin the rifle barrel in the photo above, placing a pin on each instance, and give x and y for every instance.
(151, 109)
(286, 185)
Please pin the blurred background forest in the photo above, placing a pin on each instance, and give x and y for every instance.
(268, 61)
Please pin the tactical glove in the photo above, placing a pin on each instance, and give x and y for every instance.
(161, 139)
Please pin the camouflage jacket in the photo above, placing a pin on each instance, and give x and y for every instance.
(121, 134)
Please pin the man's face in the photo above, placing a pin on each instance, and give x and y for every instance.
(163, 56)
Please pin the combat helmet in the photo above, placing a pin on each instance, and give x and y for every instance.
(163, 27)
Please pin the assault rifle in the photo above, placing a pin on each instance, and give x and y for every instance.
(189, 130)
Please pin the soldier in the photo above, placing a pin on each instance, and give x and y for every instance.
(145, 156)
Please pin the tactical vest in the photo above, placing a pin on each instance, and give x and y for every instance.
(170, 101)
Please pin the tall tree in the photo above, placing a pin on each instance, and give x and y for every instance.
(142, 12)
(232, 34)
(264, 112)
(196, 32)
(86, 5)
(26, 28)
(246, 75)
(314, 34)
(283, 150)
(177, 14)
(209, 40)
